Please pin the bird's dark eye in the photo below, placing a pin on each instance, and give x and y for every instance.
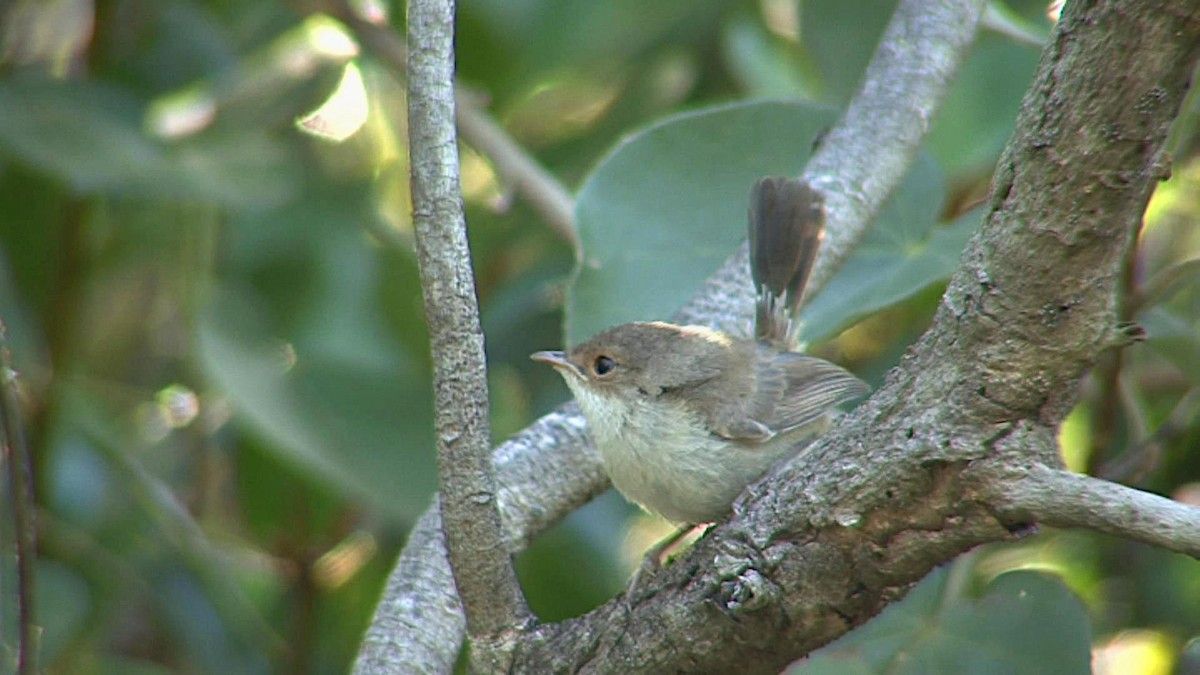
(603, 365)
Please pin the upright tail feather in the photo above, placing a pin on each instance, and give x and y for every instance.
(786, 225)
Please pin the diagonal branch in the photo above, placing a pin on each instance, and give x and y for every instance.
(551, 468)
(544, 193)
(483, 570)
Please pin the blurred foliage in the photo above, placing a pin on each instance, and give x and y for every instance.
(223, 366)
(940, 629)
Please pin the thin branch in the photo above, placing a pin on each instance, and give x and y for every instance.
(1071, 500)
(551, 468)
(544, 192)
(20, 477)
(483, 570)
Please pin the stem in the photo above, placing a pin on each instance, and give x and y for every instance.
(20, 476)
(483, 570)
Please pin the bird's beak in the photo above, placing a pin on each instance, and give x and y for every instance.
(556, 359)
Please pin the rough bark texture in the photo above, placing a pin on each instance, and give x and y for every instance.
(910, 480)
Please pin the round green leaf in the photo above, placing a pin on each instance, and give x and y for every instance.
(667, 207)
(904, 252)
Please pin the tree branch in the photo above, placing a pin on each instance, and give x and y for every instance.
(909, 480)
(551, 468)
(483, 571)
(1071, 500)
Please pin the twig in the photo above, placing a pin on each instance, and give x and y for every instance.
(1001, 21)
(551, 468)
(1135, 463)
(483, 570)
(20, 477)
(179, 531)
(545, 193)
(1071, 500)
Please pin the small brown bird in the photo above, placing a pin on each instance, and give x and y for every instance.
(685, 417)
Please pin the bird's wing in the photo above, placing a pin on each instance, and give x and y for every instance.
(795, 390)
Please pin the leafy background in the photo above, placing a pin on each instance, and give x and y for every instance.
(223, 368)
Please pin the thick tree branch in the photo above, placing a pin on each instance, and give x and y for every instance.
(913, 476)
(551, 468)
(483, 571)
(408, 631)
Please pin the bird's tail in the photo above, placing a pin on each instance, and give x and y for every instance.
(787, 223)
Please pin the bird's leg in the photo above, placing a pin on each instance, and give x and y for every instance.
(652, 560)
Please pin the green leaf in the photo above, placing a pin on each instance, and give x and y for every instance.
(297, 337)
(978, 116)
(840, 36)
(573, 35)
(981, 107)
(668, 206)
(1175, 337)
(903, 253)
(764, 64)
(63, 602)
(666, 209)
(90, 136)
(364, 428)
(1025, 622)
